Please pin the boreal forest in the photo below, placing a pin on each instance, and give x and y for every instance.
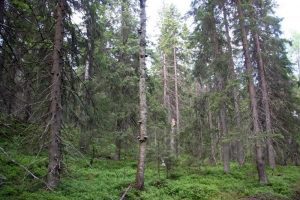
(93, 107)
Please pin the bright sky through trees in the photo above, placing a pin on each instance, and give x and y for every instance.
(287, 9)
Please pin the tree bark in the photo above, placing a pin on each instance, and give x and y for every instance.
(55, 155)
(239, 146)
(143, 102)
(260, 164)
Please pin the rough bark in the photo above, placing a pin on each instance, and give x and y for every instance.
(265, 99)
(260, 164)
(143, 102)
(239, 146)
(55, 155)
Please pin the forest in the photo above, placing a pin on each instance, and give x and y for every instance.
(91, 107)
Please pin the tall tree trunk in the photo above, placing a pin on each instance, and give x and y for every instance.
(143, 102)
(253, 99)
(239, 146)
(222, 112)
(55, 154)
(86, 135)
(176, 100)
(265, 100)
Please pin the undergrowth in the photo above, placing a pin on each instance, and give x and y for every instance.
(107, 179)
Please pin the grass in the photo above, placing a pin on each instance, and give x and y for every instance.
(107, 179)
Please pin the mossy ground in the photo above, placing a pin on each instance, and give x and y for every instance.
(107, 179)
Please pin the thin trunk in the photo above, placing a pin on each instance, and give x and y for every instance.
(239, 146)
(172, 137)
(165, 80)
(265, 100)
(176, 101)
(167, 104)
(143, 102)
(298, 61)
(176, 91)
(118, 144)
(90, 43)
(55, 156)
(253, 99)
(212, 137)
(2, 10)
(28, 98)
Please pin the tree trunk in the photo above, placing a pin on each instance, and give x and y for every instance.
(253, 100)
(2, 9)
(143, 102)
(165, 80)
(55, 155)
(176, 101)
(239, 146)
(85, 137)
(212, 137)
(118, 144)
(225, 144)
(28, 98)
(265, 100)
(222, 112)
(2, 56)
(89, 68)
(172, 137)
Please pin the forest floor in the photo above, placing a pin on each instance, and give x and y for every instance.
(108, 179)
